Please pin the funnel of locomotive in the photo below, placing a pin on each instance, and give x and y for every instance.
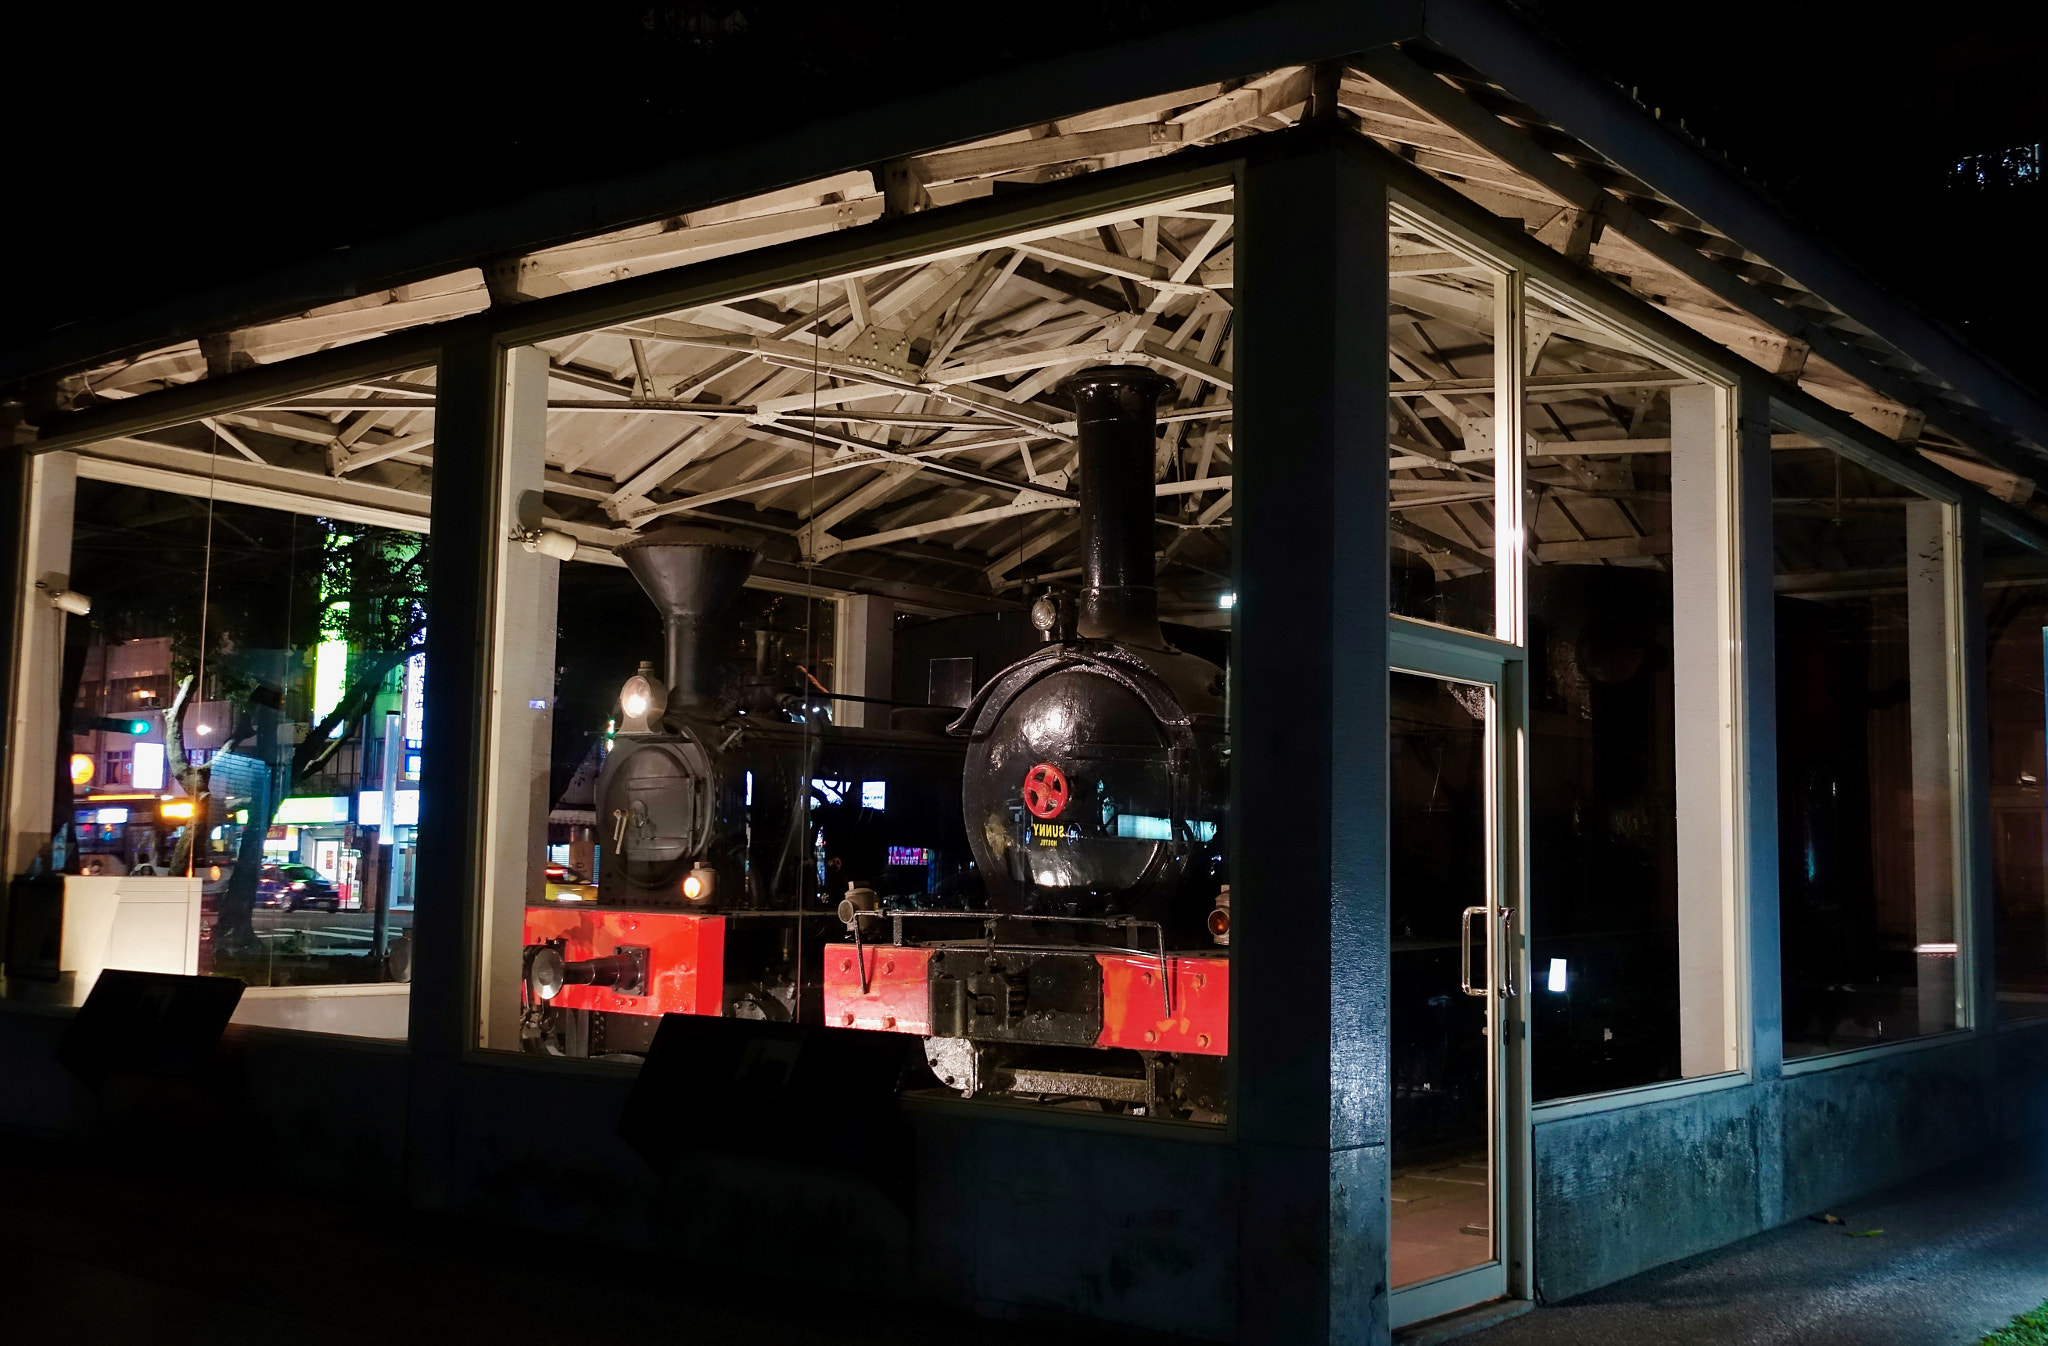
(658, 797)
(1097, 768)
(693, 575)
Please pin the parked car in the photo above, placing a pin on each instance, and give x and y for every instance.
(296, 888)
(567, 885)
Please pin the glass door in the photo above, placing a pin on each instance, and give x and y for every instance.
(1453, 936)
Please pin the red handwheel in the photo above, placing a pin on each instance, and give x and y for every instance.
(1045, 790)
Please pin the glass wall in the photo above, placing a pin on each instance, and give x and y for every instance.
(240, 690)
(820, 703)
(1630, 759)
(2015, 654)
(1866, 715)
(1444, 307)
(1609, 465)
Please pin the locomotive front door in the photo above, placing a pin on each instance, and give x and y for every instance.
(1455, 1213)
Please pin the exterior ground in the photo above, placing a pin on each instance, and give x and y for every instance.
(1962, 1251)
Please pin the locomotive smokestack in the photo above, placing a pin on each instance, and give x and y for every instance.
(692, 574)
(1116, 407)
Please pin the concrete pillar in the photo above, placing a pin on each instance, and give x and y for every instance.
(45, 487)
(1309, 737)
(1976, 964)
(449, 857)
(867, 659)
(1927, 669)
(521, 697)
(1756, 692)
(1702, 714)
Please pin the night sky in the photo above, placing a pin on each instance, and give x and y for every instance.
(155, 152)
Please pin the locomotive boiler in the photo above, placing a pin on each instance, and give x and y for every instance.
(731, 816)
(1094, 796)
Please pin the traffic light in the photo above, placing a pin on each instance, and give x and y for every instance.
(115, 724)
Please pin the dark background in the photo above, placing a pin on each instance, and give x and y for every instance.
(152, 153)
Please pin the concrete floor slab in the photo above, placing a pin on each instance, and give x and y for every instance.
(1962, 1251)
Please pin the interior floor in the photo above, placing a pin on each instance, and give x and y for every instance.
(1441, 1217)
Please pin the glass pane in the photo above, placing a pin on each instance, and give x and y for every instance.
(2016, 648)
(244, 701)
(1867, 890)
(1440, 347)
(1630, 900)
(808, 529)
(1438, 777)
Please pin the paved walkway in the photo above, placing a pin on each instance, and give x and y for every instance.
(1962, 1252)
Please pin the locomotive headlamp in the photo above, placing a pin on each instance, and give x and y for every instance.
(1219, 919)
(641, 702)
(699, 884)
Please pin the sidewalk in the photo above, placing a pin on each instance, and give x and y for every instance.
(1962, 1251)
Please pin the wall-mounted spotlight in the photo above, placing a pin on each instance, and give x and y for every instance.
(66, 600)
(547, 542)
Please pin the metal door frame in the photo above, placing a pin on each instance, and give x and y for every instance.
(1427, 650)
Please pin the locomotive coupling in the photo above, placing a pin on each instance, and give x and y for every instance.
(547, 971)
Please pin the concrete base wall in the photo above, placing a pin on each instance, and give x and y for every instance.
(1004, 1218)
(1628, 1189)
(1032, 1219)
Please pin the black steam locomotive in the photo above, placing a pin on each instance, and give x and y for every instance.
(1094, 794)
(1075, 958)
(731, 817)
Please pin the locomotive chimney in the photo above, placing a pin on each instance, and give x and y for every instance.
(692, 574)
(1116, 407)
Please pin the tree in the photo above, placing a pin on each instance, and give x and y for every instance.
(247, 596)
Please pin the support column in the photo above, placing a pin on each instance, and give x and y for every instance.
(1309, 736)
(1928, 664)
(44, 488)
(449, 858)
(867, 659)
(521, 699)
(1701, 715)
(1976, 962)
(1756, 798)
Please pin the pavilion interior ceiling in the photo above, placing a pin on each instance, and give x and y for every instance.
(898, 429)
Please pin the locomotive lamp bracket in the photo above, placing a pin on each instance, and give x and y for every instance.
(549, 542)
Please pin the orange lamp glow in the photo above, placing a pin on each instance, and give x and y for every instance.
(81, 769)
(176, 808)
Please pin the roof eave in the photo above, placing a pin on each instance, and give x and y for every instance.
(1506, 49)
(1290, 33)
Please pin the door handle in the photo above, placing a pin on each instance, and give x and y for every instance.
(1507, 953)
(1465, 951)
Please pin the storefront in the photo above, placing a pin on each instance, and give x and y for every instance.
(1564, 746)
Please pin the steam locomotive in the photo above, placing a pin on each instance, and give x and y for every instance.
(730, 812)
(1096, 781)
(1042, 895)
